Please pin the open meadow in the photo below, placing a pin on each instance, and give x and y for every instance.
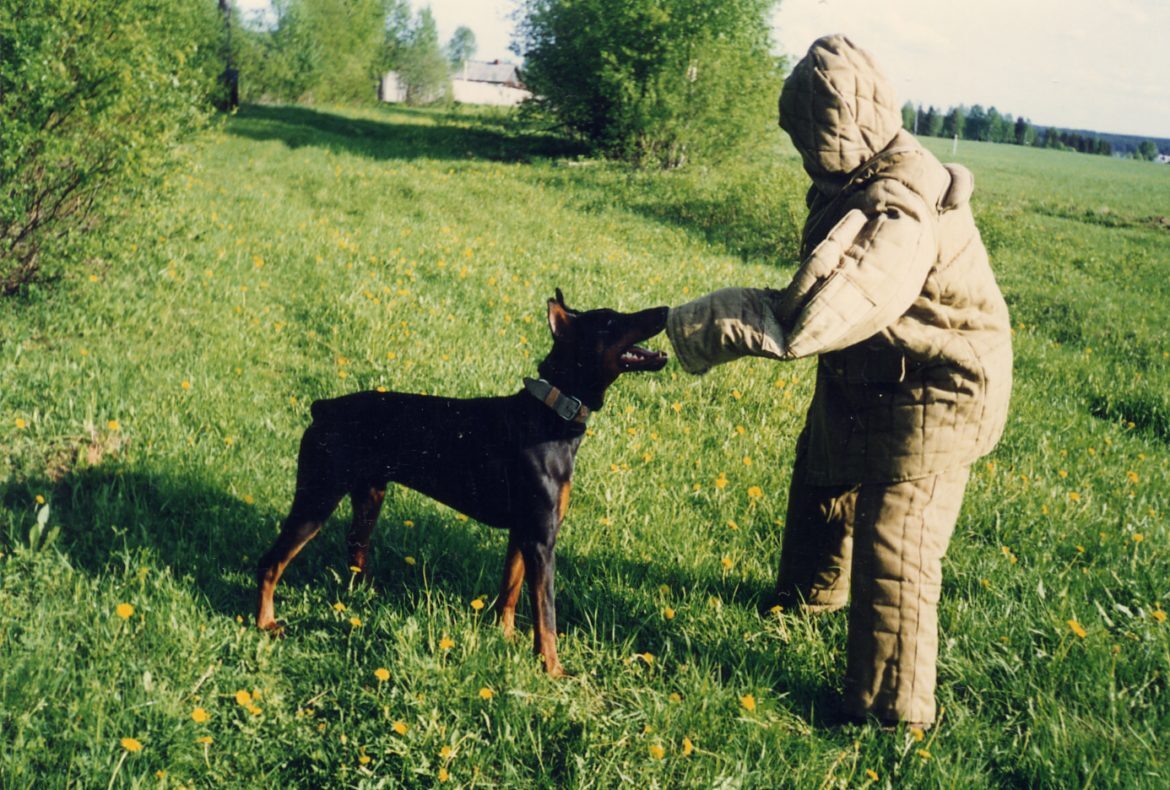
(152, 401)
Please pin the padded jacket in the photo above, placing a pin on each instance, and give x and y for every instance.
(895, 294)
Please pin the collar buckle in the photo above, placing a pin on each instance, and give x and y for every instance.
(566, 407)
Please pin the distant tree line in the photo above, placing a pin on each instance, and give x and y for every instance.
(989, 125)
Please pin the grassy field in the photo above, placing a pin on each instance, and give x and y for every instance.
(150, 408)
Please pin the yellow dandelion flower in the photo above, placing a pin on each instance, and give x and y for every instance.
(40, 499)
(687, 747)
(1074, 496)
(985, 584)
(1158, 615)
(364, 759)
(131, 744)
(871, 774)
(657, 752)
(206, 740)
(124, 610)
(21, 424)
(739, 429)
(185, 384)
(249, 499)
(924, 754)
(382, 674)
(747, 460)
(254, 710)
(199, 715)
(675, 697)
(647, 657)
(486, 693)
(1077, 629)
(477, 604)
(243, 697)
(114, 425)
(755, 492)
(444, 775)
(446, 752)
(1131, 476)
(727, 563)
(721, 481)
(355, 621)
(736, 394)
(354, 569)
(446, 643)
(1138, 537)
(409, 560)
(676, 406)
(339, 607)
(748, 702)
(668, 613)
(400, 727)
(917, 733)
(408, 523)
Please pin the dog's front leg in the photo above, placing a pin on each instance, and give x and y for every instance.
(539, 568)
(510, 586)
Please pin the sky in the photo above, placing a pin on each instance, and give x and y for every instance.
(1078, 64)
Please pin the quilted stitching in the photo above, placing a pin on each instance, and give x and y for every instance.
(838, 108)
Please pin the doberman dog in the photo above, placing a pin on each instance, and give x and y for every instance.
(504, 461)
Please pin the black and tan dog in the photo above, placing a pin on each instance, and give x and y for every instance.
(506, 461)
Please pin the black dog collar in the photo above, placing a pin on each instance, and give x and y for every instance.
(567, 407)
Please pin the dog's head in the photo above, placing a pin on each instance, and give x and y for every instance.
(592, 348)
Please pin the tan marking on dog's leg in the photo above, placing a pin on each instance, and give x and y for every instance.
(510, 588)
(563, 501)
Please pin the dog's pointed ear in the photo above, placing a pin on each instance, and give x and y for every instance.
(560, 318)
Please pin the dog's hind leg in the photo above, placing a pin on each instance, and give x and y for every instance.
(308, 513)
(367, 503)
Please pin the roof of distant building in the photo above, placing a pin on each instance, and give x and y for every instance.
(491, 71)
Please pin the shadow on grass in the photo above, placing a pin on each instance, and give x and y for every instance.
(213, 539)
(452, 137)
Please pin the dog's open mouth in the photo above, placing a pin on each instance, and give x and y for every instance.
(636, 358)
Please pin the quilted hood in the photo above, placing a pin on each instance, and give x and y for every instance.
(839, 110)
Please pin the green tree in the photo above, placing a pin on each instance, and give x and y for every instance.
(347, 38)
(461, 48)
(993, 129)
(1024, 133)
(909, 116)
(94, 95)
(421, 64)
(653, 81)
(976, 126)
(1148, 150)
(933, 123)
(317, 50)
(954, 122)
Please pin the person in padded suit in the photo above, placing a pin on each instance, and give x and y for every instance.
(896, 298)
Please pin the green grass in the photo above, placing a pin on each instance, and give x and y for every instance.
(154, 401)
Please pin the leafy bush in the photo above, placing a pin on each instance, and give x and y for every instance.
(93, 95)
(655, 81)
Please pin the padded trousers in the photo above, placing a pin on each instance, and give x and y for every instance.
(880, 547)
